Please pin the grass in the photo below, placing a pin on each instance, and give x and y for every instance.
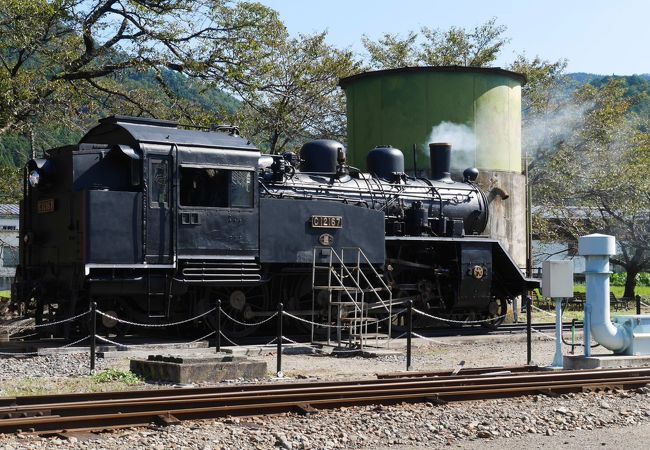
(643, 291)
(61, 385)
(578, 314)
(5, 294)
(123, 376)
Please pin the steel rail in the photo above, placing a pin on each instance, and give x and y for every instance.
(13, 404)
(478, 376)
(464, 371)
(305, 396)
(259, 399)
(128, 419)
(96, 396)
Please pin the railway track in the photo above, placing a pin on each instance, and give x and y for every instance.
(99, 411)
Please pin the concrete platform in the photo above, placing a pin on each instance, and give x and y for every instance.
(184, 370)
(609, 361)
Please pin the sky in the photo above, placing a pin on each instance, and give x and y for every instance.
(596, 36)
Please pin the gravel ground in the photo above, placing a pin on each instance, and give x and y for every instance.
(585, 420)
(70, 365)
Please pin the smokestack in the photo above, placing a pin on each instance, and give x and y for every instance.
(440, 153)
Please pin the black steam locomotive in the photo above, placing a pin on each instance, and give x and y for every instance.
(155, 222)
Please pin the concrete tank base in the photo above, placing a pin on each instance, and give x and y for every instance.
(197, 369)
(580, 362)
(506, 193)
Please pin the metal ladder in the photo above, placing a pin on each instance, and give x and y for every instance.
(347, 287)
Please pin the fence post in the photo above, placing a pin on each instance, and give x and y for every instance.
(409, 333)
(93, 335)
(218, 325)
(573, 335)
(279, 338)
(638, 305)
(529, 329)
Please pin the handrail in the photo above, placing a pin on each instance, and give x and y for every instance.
(385, 286)
(345, 272)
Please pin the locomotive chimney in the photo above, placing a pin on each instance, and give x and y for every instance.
(440, 153)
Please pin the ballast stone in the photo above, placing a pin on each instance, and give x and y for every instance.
(184, 369)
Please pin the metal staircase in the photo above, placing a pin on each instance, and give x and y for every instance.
(354, 288)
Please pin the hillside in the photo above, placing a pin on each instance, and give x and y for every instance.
(638, 87)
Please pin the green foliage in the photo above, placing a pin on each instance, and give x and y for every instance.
(543, 81)
(637, 89)
(392, 51)
(123, 376)
(436, 47)
(618, 279)
(296, 97)
(597, 178)
(11, 186)
(62, 59)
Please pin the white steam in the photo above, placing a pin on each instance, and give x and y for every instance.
(463, 143)
(544, 131)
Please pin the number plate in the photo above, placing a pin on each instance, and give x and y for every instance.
(45, 206)
(326, 221)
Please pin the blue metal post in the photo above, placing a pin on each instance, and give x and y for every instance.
(586, 326)
(558, 358)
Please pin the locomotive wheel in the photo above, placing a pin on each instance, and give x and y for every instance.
(301, 304)
(108, 326)
(497, 309)
(244, 304)
(105, 326)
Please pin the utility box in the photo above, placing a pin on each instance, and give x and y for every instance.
(557, 279)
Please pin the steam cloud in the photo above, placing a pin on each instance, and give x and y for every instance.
(463, 143)
(539, 132)
(545, 131)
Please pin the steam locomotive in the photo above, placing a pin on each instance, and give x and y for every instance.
(154, 222)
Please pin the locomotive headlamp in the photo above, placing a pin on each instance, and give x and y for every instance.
(40, 171)
(34, 178)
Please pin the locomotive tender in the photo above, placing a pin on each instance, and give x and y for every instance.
(155, 222)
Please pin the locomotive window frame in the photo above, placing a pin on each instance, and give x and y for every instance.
(155, 186)
(234, 198)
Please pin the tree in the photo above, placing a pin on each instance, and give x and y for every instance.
(598, 179)
(59, 58)
(544, 82)
(10, 184)
(296, 96)
(392, 51)
(435, 47)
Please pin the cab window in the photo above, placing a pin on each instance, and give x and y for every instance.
(159, 174)
(216, 188)
(241, 189)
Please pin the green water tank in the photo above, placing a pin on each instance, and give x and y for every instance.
(477, 110)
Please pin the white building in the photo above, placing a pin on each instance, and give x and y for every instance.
(8, 244)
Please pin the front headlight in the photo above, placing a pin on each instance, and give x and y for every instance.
(34, 178)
